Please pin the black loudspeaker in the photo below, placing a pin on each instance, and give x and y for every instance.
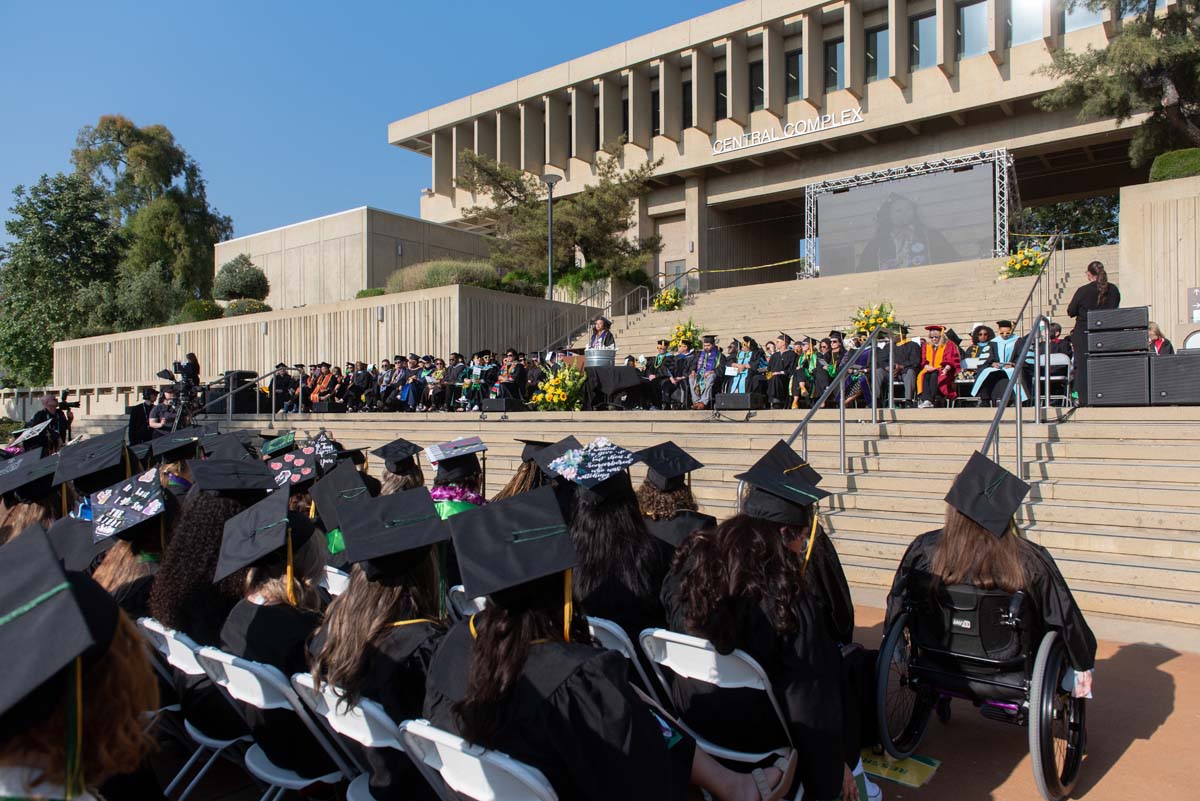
(327, 407)
(246, 401)
(1175, 380)
(502, 405)
(1113, 319)
(1118, 380)
(1135, 341)
(739, 401)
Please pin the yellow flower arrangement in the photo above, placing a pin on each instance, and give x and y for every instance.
(561, 392)
(686, 332)
(1027, 260)
(670, 299)
(868, 318)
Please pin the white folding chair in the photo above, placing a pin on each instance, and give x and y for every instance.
(696, 658)
(462, 607)
(365, 722)
(458, 770)
(613, 638)
(335, 581)
(179, 651)
(265, 687)
(1058, 361)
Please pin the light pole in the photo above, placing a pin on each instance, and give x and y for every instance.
(550, 179)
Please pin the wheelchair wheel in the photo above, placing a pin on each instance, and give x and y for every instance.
(1056, 723)
(902, 710)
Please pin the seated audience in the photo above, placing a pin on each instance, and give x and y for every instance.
(939, 368)
(1159, 345)
(705, 370)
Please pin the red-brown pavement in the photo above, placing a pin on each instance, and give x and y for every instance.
(1142, 727)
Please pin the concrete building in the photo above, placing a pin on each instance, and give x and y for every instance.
(331, 258)
(749, 104)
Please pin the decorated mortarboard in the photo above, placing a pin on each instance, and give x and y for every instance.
(72, 539)
(119, 511)
(264, 531)
(512, 542)
(456, 460)
(93, 463)
(391, 534)
(987, 493)
(674, 530)
(30, 433)
(324, 450)
(226, 446)
(546, 456)
(178, 445)
(49, 620)
(667, 465)
(27, 477)
(293, 471)
(398, 455)
(342, 486)
(600, 468)
(783, 458)
(231, 477)
(279, 444)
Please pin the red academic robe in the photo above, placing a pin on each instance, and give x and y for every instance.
(946, 355)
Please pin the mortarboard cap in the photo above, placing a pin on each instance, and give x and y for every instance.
(141, 452)
(783, 458)
(785, 337)
(836, 335)
(279, 444)
(72, 539)
(987, 493)
(666, 343)
(456, 460)
(177, 445)
(953, 336)
(27, 477)
(50, 619)
(675, 530)
(340, 486)
(709, 339)
(512, 542)
(1004, 324)
(548, 454)
(93, 463)
(600, 468)
(780, 489)
(668, 464)
(258, 534)
(120, 510)
(226, 446)
(293, 470)
(244, 479)
(532, 446)
(391, 534)
(398, 455)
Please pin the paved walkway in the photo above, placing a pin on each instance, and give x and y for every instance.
(1144, 719)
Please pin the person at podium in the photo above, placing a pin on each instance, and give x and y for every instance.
(602, 336)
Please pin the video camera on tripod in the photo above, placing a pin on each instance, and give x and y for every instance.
(63, 403)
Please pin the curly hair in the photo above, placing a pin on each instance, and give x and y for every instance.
(412, 478)
(358, 619)
(183, 596)
(117, 689)
(742, 560)
(659, 504)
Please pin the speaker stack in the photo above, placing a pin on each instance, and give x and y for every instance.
(739, 401)
(1175, 380)
(1118, 367)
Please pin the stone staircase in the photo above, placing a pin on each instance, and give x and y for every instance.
(1114, 490)
(959, 295)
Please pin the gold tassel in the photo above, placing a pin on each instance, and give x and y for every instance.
(312, 511)
(567, 605)
(66, 511)
(812, 537)
(74, 778)
(291, 590)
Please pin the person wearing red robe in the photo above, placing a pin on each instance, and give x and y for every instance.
(940, 361)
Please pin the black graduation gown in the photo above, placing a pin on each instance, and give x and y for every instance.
(781, 366)
(806, 673)
(827, 581)
(139, 424)
(395, 669)
(574, 716)
(1047, 590)
(276, 635)
(674, 530)
(134, 597)
(614, 601)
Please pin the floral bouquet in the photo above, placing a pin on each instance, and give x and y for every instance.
(561, 392)
(1028, 260)
(670, 299)
(687, 332)
(868, 318)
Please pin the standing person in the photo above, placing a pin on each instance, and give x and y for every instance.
(602, 336)
(802, 375)
(139, 418)
(56, 434)
(163, 415)
(1159, 345)
(455, 368)
(939, 367)
(706, 368)
(780, 368)
(1097, 293)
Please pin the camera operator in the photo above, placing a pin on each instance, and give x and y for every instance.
(139, 418)
(164, 416)
(59, 431)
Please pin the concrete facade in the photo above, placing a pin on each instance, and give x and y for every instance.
(331, 258)
(744, 110)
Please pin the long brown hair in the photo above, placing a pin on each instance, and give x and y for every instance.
(528, 477)
(659, 504)
(117, 689)
(130, 560)
(1096, 269)
(503, 632)
(743, 559)
(361, 616)
(391, 483)
(270, 580)
(21, 516)
(970, 554)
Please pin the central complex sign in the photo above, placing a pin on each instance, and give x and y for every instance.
(821, 122)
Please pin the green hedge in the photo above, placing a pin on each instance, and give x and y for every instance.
(373, 292)
(1176, 164)
(197, 311)
(237, 308)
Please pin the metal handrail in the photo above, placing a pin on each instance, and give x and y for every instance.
(676, 278)
(552, 324)
(1040, 288)
(1039, 335)
(252, 383)
(643, 301)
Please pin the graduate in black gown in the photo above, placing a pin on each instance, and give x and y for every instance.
(779, 372)
(522, 677)
(26, 486)
(403, 470)
(379, 636)
(665, 497)
(274, 555)
(341, 487)
(980, 544)
(621, 567)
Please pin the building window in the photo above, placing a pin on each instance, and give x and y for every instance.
(625, 117)
(686, 89)
(1081, 17)
(922, 37)
(599, 141)
(877, 54)
(1025, 21)
(570, 136)
(972, 34)
(720, 92)
(835, 73)
(794, 66)
(757, 94)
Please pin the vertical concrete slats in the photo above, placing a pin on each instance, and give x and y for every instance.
(557, 133)
(737, 78)
(854, 44)
(898, 50)
(610, 109)
(508, 137)
(947, 44)
(703, 100)
(640, 107)
(670, 99)
(533, 137)
(814, 58)
(774, 71)
(583, 128)
(443, 162)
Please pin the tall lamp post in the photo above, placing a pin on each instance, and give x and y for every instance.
(550, 179)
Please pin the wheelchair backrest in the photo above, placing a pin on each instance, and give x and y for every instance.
(967, 621)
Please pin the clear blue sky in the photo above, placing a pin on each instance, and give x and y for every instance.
(284, 105)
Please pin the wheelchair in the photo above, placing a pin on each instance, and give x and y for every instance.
(986, 647)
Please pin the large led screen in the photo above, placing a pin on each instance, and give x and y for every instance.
(926, 219)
